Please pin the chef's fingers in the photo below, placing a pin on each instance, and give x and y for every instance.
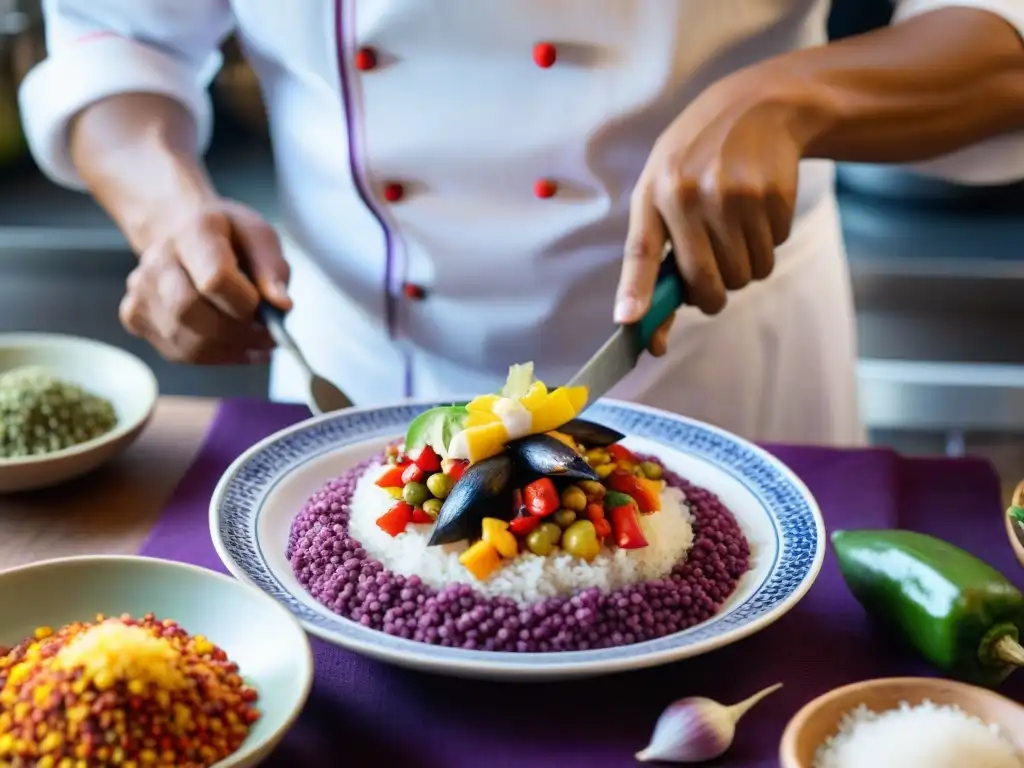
(679, 206)
(163, 306)
(659, 341)
(757, 231)
(260, 248)
(208, 257)
(645, 246)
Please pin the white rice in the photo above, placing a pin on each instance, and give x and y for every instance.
(529, 577)
(923, 736)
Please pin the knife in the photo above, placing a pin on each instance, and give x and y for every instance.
(618, 356)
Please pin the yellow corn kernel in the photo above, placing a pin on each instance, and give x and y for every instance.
(45, 762)
(51, 742)
(202, 645)
(603, 470)
(6, 744)
(136, 687)
(42, 632)
(394, 492)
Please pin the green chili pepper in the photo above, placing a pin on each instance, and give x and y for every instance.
(958, 612)
(1017, 514)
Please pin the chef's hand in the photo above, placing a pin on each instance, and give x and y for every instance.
(720, 185)
(189, 295)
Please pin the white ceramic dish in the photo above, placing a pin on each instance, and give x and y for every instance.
(261, 493)
(267, 643)
(104, 370)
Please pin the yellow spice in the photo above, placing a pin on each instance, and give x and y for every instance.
(112, 651)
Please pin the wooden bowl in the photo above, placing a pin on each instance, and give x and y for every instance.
(1013, 531)
(813, 724)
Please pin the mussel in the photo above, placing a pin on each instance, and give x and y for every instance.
(590, 434)
(545, 455)
(477, 494)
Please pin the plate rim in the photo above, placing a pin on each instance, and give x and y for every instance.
(485, 667)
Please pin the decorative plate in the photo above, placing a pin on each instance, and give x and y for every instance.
(260, 495)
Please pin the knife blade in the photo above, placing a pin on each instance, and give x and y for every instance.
(619, 355)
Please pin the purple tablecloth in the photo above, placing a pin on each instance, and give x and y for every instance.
(363, 713)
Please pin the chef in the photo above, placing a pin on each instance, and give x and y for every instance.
(466, 184)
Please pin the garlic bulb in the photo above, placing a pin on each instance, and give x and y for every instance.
(696, 729)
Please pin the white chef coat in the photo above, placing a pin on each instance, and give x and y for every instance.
(452, 206)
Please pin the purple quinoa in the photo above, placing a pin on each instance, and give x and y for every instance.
(338, 572)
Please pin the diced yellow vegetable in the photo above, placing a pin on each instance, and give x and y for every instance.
(496, 533)
(577, 396)
(481, 560)
(394, 492)
(654, 491)
(482, 403)
(485, 441)
(555, 412)
(535, 397)
(479, 418)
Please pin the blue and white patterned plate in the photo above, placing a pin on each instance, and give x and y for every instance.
(261, 493)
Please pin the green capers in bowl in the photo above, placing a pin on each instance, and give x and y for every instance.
(42, 414)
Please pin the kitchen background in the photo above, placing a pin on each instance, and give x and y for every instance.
(937, 269)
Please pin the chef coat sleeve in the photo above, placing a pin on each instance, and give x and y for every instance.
(995, 161)
(101, 48)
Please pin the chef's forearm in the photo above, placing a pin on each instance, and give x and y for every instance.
(137, 155)
(922, 88)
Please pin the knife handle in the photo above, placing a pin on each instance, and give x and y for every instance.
(669, 295)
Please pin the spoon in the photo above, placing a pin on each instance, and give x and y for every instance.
(321, 395)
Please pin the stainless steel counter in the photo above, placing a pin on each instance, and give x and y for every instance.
(937, 288)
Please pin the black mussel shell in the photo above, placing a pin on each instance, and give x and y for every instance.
(545, 455)
(590, 434)
(478, 494)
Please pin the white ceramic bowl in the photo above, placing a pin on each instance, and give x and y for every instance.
(269, 646)
(104, 370)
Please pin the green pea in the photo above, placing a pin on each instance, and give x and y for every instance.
(574, 498)
(415, 493)
(432, 507)
(564, 518)
(440, 485)
(552, 531)
(580, 539)
(538, 542)
(651, 470)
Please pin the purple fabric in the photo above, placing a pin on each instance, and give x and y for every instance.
(366, 713)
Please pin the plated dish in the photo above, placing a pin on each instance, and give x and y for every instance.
(508, 537)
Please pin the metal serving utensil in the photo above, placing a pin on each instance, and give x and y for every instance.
(321, 395)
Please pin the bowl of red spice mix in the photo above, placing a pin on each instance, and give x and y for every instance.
(118, 660)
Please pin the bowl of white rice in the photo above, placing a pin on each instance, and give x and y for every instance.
(906, 722)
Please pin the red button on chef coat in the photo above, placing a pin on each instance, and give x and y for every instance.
(544, 188)
(413, 291)
(394, 192)
(544, 54)
(366, 59)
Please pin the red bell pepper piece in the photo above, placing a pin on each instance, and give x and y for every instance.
(603, 528)
(621, 453)
(628, 534)
(644, 493)
(458, 470)
(419, 516)
(391, 478)
(393, 521)
(427, 460)
(413, 474)
(521, 526)
(541, 497)
(594, 512)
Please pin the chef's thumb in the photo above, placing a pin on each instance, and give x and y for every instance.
(645, 245)
(263, 259)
